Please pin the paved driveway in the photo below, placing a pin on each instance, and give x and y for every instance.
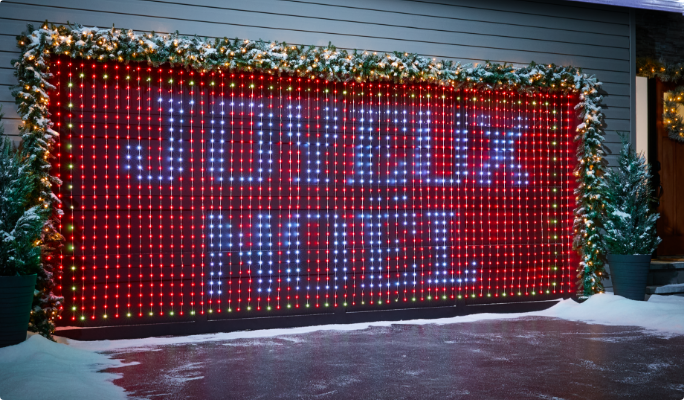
(527, 358)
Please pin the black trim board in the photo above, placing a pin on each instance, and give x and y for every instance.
(341, 317)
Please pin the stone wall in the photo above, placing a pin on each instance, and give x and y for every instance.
(660, 35)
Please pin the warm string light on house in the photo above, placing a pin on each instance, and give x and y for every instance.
(189, 193)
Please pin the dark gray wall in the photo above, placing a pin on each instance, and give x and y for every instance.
(596, 38)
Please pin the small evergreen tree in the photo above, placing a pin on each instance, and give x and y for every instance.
(630, 221)
(20, 223)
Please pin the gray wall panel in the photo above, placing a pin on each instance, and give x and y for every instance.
(593, 37)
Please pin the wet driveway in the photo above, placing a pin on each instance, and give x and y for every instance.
(527, 358)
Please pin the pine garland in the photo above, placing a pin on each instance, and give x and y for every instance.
(328, 62)
(666, 72)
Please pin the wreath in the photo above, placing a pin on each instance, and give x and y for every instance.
(673, 120)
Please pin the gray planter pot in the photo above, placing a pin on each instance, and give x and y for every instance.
(629, 273)
(16, 297)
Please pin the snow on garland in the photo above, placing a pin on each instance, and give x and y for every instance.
(202, 54)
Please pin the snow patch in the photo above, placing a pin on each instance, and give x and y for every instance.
(41, 369)
(663, 315)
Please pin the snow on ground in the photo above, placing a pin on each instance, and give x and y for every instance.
(41, 369)
(663, 315)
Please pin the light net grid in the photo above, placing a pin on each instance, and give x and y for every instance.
(187, 193)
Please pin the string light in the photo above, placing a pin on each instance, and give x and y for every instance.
(217, 192)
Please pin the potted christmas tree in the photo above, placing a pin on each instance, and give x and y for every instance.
(20, 246)
(630, 223)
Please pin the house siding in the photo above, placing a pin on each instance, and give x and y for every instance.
(596, 38)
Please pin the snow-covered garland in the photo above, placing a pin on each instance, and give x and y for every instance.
(329, 63)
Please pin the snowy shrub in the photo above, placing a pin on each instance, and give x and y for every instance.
(630, 221)
(20, 224)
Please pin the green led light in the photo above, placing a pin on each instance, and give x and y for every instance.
(105, 76)
(210, 311)
(289, 306)
(192, 82)
(73, 308)
(104, 316)
(128, 314)
(268, 308)
(82, 317)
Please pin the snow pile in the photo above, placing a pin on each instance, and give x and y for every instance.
(661, 314)
(41, 369)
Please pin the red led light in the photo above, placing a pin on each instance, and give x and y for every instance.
(188, 193)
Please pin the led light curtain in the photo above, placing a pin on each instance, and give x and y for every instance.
(190, 193)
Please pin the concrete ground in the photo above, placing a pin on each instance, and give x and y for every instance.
(526, 358)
